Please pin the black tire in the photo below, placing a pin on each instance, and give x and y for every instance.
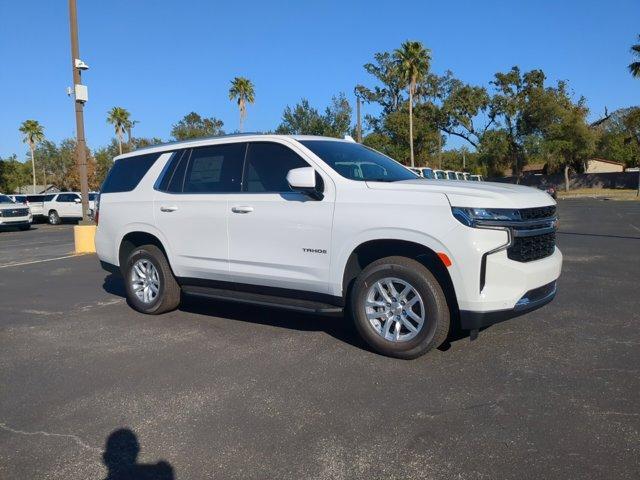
(24, 227)
(435, 328)
(168, 297)
(54, 218)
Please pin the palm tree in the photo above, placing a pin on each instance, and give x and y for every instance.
(33, 134)
(119, 118)
(413, 61)
(243, 91)
(634, 67)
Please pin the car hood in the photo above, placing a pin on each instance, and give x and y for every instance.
(474, 194)
(12, 206)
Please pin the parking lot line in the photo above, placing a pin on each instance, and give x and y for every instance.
(40, 261)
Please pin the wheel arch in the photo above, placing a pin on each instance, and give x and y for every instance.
(369, 251)
(135, 239)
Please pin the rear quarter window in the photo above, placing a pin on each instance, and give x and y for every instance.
(126, 173)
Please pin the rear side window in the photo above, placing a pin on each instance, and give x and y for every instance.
(47, 198)
(214, 169)
(126, 173)
(34, 198)
(64, 198)
(173, 176)
(267, 167)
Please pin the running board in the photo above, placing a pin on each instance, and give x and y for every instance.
(287, 303)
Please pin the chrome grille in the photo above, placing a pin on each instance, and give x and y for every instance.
(533, 247)
(16, 212)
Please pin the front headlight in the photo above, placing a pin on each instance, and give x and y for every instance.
(472, 216)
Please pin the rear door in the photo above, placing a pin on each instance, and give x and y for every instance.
(278, 237)
(191, 208)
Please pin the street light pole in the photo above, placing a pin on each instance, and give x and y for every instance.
(81, 148)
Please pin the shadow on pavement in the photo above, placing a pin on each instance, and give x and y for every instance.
(121, 459)
(334, 325)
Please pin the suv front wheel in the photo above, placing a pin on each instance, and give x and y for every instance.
(149, 281)
(399, 308)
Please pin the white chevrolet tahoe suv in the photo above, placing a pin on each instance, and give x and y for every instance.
(14, 214)
(324, 225)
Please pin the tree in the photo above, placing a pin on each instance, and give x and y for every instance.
(13, 174)
(303, 119)
(632, 124)
(193, 125)
(569, 138)
(120, 119)
(389, 94)
(243, 92)
(634, 67)
(413, 64)
(461, 105)
(33, 134)
(391, 135)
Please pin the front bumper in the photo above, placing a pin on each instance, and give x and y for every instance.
(15, 221)
(530, 301)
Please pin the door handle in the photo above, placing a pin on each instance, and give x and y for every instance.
(242, 209)
(171, 208)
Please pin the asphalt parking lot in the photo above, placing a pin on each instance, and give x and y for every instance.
(217, 390)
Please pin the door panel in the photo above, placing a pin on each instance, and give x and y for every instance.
(192, 212)
(278, 238)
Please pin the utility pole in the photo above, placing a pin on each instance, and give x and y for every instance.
(439, 150)
(80, 96)
(359, 124)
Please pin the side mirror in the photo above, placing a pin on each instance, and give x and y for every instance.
(303, 180)
(77, 200)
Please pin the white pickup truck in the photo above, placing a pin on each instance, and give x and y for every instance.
(324, 225)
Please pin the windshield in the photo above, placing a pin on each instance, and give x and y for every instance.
(92, 196)
(451, 175)
(357, 162)
(440, 175)
(5, 199)
(427, 173)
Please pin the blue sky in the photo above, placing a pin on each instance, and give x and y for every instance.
(162, 59)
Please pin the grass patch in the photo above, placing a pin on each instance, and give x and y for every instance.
(610, 193)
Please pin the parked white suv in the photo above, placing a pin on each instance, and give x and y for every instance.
(66, 205)
(321, 225)
(14, 214)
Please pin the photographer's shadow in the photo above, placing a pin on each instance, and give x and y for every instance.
(121, 459)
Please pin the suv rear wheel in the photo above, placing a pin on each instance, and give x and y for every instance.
(149, 281)
(399, 308)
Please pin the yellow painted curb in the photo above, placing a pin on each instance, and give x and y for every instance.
(84, 237)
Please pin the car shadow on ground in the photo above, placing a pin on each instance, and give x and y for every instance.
(121, 459)
(335, 325)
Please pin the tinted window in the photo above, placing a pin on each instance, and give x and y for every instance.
(172, 177)
(267, 167)
(46, 198)
(66, 197)
(34, 198)
(215, 169)
(5, 199)
(357, 162)
(126, 173)
(92, 196)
